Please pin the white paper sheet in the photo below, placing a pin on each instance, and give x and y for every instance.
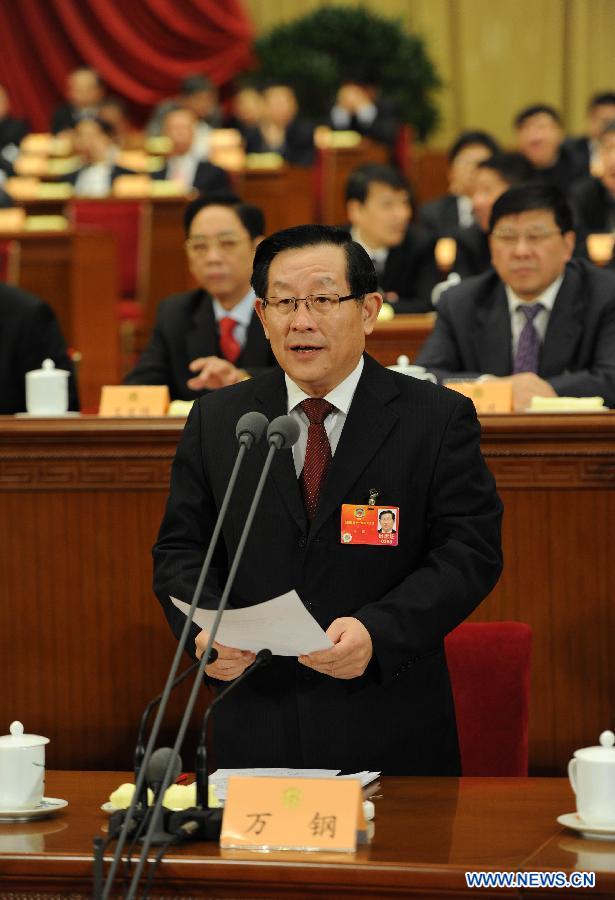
(220, 777)
(282, 625)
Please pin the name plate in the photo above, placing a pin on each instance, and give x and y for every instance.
(140, 400)
(293, 814)
(487, 396)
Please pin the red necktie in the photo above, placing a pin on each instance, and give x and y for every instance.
(317, 452)
(230, 347)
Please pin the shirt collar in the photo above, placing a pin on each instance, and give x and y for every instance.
(241, 312)
(340, 397)
(547, 298)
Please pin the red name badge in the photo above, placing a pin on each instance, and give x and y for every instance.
(376, 525)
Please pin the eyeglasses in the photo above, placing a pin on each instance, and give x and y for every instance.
(197, 246)
(318, 304)
(533, 238)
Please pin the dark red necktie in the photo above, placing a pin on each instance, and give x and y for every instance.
(317, 452)
(230, 347)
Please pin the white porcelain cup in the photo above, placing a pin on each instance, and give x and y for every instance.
(592, 776)
(47, 390)
(22, 768)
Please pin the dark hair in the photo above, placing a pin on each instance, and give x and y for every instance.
(513, 168)
(360, 179)
(537, 195)
(603, 99)
(252, 217)
(104, 126)
(385, 512)
(194, 84)
(471, 138)
(360, 270)
(534, 110)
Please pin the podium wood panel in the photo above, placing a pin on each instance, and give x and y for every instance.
(83, 642)
(427, 833)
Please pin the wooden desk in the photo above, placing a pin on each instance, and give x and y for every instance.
(80, 504)
(75, 272)
(404, 334)
(428, 833)
(286, 195)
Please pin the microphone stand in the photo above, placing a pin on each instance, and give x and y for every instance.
(253, 424)
(285, 436)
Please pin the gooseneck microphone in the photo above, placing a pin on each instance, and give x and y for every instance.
(282, 433)
(249, 430)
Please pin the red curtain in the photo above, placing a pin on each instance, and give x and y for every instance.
(141, 48)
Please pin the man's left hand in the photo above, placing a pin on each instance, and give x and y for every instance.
(526, 385)
(350, 655)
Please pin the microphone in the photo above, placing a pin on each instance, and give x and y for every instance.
(285, 433)
(201, 822)
(249, 429)
(162, 759)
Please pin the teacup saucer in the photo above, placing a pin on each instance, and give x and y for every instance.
(595, 832)
(46, 807)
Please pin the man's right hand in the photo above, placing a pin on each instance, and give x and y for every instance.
(230, 662)
(213, 373)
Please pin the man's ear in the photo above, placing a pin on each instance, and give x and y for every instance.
(260, 312)
(370, 308)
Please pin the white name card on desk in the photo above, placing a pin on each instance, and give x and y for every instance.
(293, 814)
(140, 400)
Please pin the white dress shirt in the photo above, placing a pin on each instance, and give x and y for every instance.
(242, 313)
(518, 320)
(340, 397)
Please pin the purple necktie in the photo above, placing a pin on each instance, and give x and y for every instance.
(528, 348)
(317, 452)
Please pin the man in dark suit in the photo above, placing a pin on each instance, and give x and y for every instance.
(210, 337)
(84, 93)
(600, 113)
(444, 216)
(12, 129)
(95, 141)
(29, 334)
(380, 698)
(281, 129)
(185, 163)
(593, 198)
(379, 210)
(360, 106)
(544, 323)
(540, 137)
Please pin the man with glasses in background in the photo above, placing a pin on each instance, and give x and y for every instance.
(380, 697)
(541, 320)
(210, 337)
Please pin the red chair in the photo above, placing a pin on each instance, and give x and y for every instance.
(489, 664)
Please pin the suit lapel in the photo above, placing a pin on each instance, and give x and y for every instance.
(492, 335)
(564, 327)
(270, 394)
(202, 337)
(367, 425)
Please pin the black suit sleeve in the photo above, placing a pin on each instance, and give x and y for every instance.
(154, 366)
(441, 353)
(462, 557)
(597, 380)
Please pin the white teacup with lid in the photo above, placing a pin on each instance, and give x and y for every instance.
(22, 768)
(47, 390)
(403, 365)
(592, 776)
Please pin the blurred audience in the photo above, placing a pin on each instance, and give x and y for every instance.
(454, 210)
(379, 211)
(184, 164)
(360, 106)
(199, 95)
(538, 319)
(84, 94)
(593, 199)
(210, 337)
(113, 111)
(600, 112)
(540, 138)
(280, 129)
(29, 333)
(246, 109)
(12, 129)
(94, 141)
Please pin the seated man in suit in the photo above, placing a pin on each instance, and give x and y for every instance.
(12, 129)
(447, 214)
(281, 129)
(540, 320)
(185, 163)
(360, 106)
(493, 176)
(380, 697)
(95, 142)
(593, 198)
(210, 337)
(29, 334)
(540, 137)
(600, 113)
(379, 211)
(84, 93)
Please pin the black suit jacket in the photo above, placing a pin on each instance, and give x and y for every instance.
(418, 445)
(207, 177)
(12, 131)
(298, 147)
(185, 329)
(441, 216)
(472, 335)
(383, 128)
(473, 253)
(593, 206)
(29, 333)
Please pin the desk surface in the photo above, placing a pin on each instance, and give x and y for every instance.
(428, 833)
